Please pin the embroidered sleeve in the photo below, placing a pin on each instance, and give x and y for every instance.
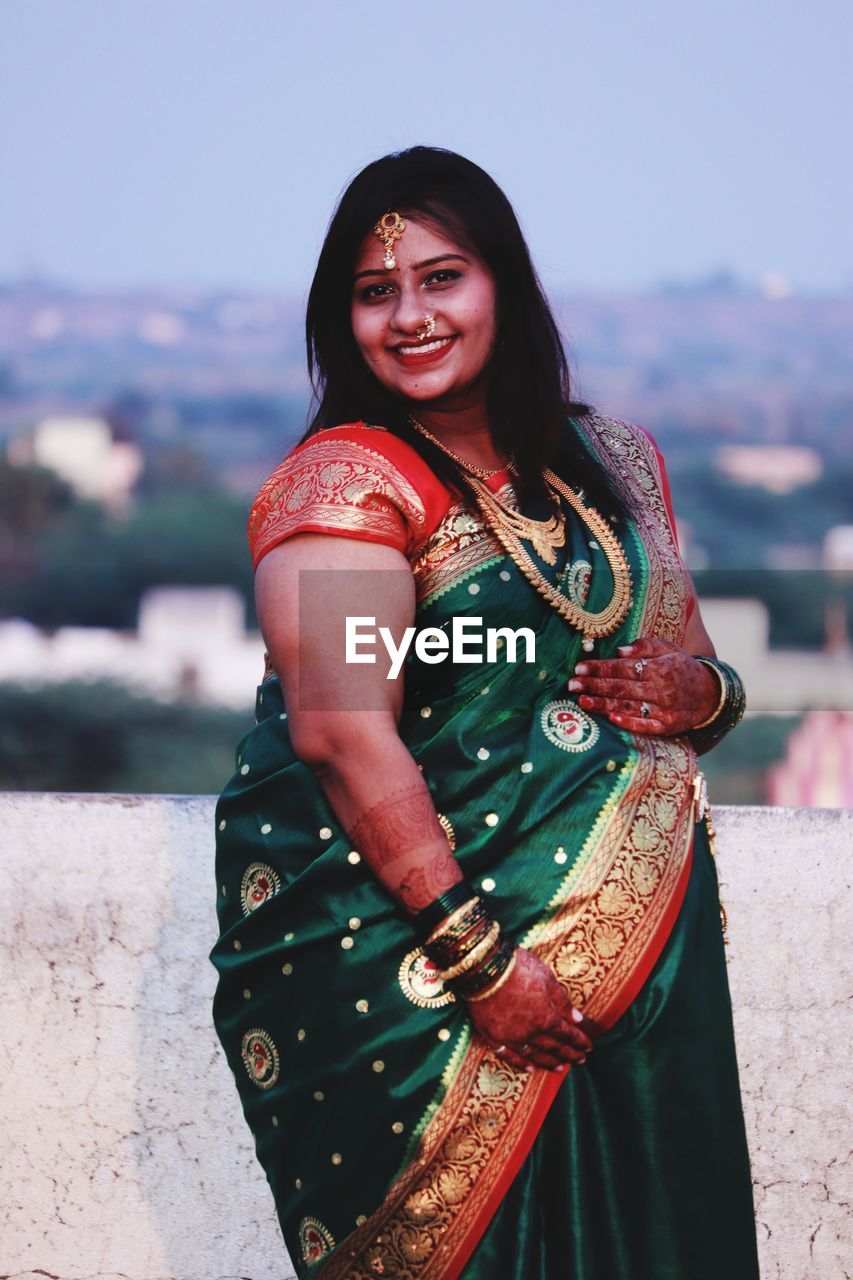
(340, 486)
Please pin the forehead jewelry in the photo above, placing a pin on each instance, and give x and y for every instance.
(425, 330)
(389, 228)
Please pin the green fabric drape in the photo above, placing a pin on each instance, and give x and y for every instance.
(640, 1170)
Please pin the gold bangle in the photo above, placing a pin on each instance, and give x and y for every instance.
(474, 956)
(724, 693)
(447, 924)
(496, 985)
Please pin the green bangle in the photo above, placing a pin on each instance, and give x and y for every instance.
(443, 906)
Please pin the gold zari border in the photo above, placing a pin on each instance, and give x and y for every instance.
(336, 485)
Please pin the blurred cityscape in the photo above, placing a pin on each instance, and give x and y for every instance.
(135, 429)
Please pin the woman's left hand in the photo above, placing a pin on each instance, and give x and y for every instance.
(653, 687)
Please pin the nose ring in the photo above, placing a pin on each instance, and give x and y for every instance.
(425, 330)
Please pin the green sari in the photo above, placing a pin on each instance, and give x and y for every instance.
(394, 1141)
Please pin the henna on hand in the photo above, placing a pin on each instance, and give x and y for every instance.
(678, 690)
(531, 1019)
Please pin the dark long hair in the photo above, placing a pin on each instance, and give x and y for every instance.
(529, 398)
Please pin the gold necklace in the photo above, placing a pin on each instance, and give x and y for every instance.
(591, 625)
(485, 472)
(509, 527)
(545, 535)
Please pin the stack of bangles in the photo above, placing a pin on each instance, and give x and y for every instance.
(729, 710)
(464, 943)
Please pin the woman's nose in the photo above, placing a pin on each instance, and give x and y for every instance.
(408, 312)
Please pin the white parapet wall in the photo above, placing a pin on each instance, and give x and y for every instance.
(125, 1156)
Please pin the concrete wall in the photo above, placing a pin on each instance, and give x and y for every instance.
(124, 1153)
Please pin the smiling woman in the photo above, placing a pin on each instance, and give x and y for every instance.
(471, 972)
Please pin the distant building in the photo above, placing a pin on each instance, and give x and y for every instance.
(190, 645)
(838, 548)
(86, 454)
(779, 682)
(777, 468)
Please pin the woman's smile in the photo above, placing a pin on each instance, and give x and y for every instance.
(423, 353)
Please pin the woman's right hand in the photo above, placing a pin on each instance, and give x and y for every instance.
(530, 1021)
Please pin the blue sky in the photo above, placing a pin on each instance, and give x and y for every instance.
(203, 142)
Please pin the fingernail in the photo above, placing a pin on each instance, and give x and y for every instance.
(585, 700)
(529, 1069)
(561, 1067)
(577, 1016)
(581, 669)
(576, 684)
(625, 649)
(615, 715)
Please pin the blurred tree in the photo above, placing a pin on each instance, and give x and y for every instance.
(88, 569)
(31, 499)
(100, 737)
(175, 467)
(737, 769)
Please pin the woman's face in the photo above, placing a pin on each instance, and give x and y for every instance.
(434, 276)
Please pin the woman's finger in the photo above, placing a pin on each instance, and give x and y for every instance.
(564, 1050)
(639, 724)
(507, 1054)
(647, 647)
(569, 1035)
(613, 669)
(542, 1057)
(621, 706)
(625, 690)
(565, 1029)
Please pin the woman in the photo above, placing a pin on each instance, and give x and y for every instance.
(472, 983)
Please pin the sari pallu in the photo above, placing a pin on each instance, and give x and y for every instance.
(388, 1132)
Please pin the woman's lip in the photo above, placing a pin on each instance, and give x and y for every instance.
(426, 357)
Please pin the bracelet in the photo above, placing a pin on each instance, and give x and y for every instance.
(724, 689)
(446, 952)
(443, 906)
(491, 967)
(729, 712)
(458, 922)
(488, 973)
(496, 985)
(473, 957)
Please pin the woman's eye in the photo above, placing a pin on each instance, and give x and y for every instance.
(374, 291)
(443, 276)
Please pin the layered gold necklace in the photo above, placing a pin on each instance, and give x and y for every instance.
(545, 536)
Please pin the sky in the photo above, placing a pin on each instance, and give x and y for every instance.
(203, 143)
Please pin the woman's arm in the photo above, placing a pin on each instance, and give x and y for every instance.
(343, 716)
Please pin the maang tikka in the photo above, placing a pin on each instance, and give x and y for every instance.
(389, 228)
